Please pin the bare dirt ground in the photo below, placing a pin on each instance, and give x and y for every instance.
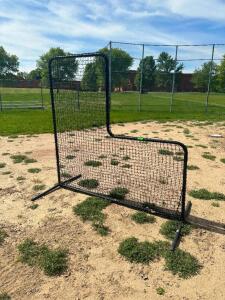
(96, 270)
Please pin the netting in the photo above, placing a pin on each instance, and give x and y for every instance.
(138, 172)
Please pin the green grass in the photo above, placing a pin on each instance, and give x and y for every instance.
(202, 146)
(126, 166)
(52, 262)
(165, 152)
(142, 218)
(119, 193)
(93, 163)
(206, 195)
(209, 156)
(223, 160)
(18, 158)
(39, 187)
(20, 178)
(33, 206)
(6, 173)
(155, 106)
(29, 160)
(168, 229)
(89, 183)
(215, 204)
(178, 262)
(192, 167)
(91, 210)
(160, 291)
(3, 236)
(34, 170)
(5, 296)
(114, 162)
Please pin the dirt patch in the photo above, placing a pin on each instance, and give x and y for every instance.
(96, 270)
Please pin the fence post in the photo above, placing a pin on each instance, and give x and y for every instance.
(42, 99)
(210, 79)
(173, 82)
(1, 107)
(141, 77)
(110, 68)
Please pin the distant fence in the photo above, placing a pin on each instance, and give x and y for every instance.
(173, 80)
(21, 94)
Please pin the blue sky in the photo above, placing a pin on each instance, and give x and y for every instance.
(28, 28)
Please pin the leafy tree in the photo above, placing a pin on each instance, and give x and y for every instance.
(221, 75)
(200, 77)
(22, 75)
(148, 67)
(93, 77)
(9, 64)
(121, 61)
(165, 67)
(67, 69)
(34, 74)
(89, 80)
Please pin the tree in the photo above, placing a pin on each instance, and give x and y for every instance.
(9, 64)
(165, 67)
(34, 74)
(148, 67)
(89, 80)
(121, 61)
(221, 75)
(200, 76)
(21, 75)
(67, 69)
(93, 77)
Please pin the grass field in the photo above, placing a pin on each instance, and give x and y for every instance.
(125, 106)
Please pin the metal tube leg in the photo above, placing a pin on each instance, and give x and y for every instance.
(177, 238)
(52, 189)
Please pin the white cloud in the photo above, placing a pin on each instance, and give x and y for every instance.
(205, 9)
(33, 26)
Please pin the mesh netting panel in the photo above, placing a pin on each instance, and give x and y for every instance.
(150, 172)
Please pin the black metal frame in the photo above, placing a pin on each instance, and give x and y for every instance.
(160, 211)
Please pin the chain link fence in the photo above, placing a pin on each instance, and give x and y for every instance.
(175, 78)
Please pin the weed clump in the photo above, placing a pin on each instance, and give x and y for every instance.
(142, 218)
(119, 193)
(139, 252)
(179, 262)
(2, 165)
(91, 210)
(89, 183)
(192, 167)
(165, 152)
(168, 229)
(18, 158)
(52, 262)
(93, 163)
(29, 160)
(33, 206)
(34, 170)
(3, 236)
(38, 187)
(206, 195)
(70, 157)
(114, 162)
(4, 296)
(208, 156)
(160, 291)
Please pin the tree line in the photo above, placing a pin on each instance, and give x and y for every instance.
(150, 72)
